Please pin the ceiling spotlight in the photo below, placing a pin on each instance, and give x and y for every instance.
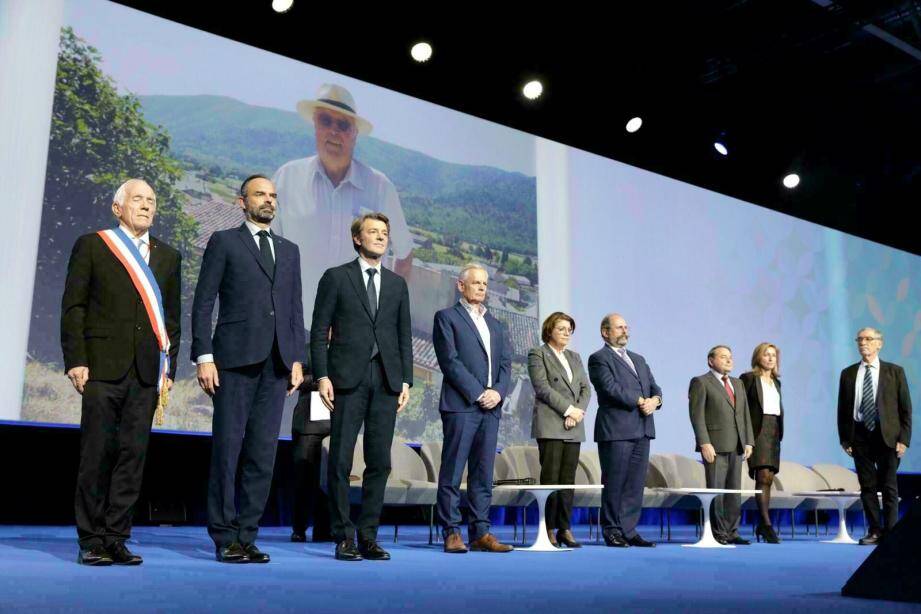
(282, 6)
(421, 52)
(634, 124)
(532, 90)
(791, 181)
(720, 148)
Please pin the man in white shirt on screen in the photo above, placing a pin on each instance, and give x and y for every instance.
(319, 196)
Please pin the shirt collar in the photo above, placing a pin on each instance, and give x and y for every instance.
(365, 266)
(616, 349)
(874, 364)
(717, 375)
(553, 349)
(479, 310)
(254, 229)
(144, 237)
(351, 175)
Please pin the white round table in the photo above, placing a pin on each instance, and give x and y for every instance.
(842, 500)
(541, 492)
(706, 496)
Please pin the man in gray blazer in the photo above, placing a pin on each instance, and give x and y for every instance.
(723, 431)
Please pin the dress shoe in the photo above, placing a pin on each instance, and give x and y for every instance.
(615, 540)
(565, 537)
(870, 539)
(738, 541)
(94, 555)
(233, 553)
(346, 551)
(551, 535)
(454, 544)
(298, 538)
(639, 542)
(489, 543)
(372, 551)
(766, 531)
(255, 555)
(122, 556)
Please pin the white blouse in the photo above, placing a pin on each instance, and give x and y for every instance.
(771, 398)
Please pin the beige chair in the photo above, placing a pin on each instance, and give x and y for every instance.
(408, 484)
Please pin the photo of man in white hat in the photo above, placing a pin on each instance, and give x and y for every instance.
(319, 196)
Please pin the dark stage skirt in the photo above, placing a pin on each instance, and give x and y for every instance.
(767, 447)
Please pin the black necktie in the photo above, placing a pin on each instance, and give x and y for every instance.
(265, 250)
(372, 303)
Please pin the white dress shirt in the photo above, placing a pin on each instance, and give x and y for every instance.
(254, 230)
(142, 242)
(771, 397)
(858, 385)
(317, 215)
(561, 356)
(478, 315)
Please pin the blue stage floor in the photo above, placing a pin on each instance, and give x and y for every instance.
(38, 573)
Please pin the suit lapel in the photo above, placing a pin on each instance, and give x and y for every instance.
(760, 389)
(469, 320)
(550, 357)
(354, 274)
(714, 383)
(250, 244)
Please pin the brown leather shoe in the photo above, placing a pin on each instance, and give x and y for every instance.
(551, 535)
(489, 543)
(454, 544)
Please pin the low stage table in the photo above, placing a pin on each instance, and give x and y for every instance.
(541, 492)
(843, 500)
(706, 496)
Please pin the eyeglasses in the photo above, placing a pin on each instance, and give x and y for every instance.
(867, 339)
(328, 121)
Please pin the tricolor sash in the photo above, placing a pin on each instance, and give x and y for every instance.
(126, 251)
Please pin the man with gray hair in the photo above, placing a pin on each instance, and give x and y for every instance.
(723, 432)
(120, 337)
(475, 357)
(874, 427)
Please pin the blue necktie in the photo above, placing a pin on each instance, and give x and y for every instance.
(867, 401)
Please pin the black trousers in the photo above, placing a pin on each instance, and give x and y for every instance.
(876, 465)
(623, 473)
(558, 462)
(248, 406)
(311, 507)
(114, 431)
(373, 405)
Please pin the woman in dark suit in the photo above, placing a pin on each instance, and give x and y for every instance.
(561, 394)
(762, 387)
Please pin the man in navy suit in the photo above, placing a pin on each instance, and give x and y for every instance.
(627, 398)
(362, 358)
(258, 349)
(475, 358)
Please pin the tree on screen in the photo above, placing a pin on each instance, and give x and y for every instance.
(98, 139)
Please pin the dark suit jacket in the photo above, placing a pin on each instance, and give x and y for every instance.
(714, 419)
(463, 360)
(342, 305)
(554, 393)
(754, 390)
(104, 325)
(893, 404)
(256, 307)
(618, 390)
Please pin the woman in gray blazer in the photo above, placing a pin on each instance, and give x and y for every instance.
(561, 394)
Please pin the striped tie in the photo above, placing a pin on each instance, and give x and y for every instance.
(867, 402)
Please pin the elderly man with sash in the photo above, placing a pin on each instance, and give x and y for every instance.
(120, 338)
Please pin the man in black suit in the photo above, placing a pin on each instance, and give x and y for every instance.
(307, 434)
(628, 396)
(361, 351)
(258, 349)
(113, 358)
(874, 426)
